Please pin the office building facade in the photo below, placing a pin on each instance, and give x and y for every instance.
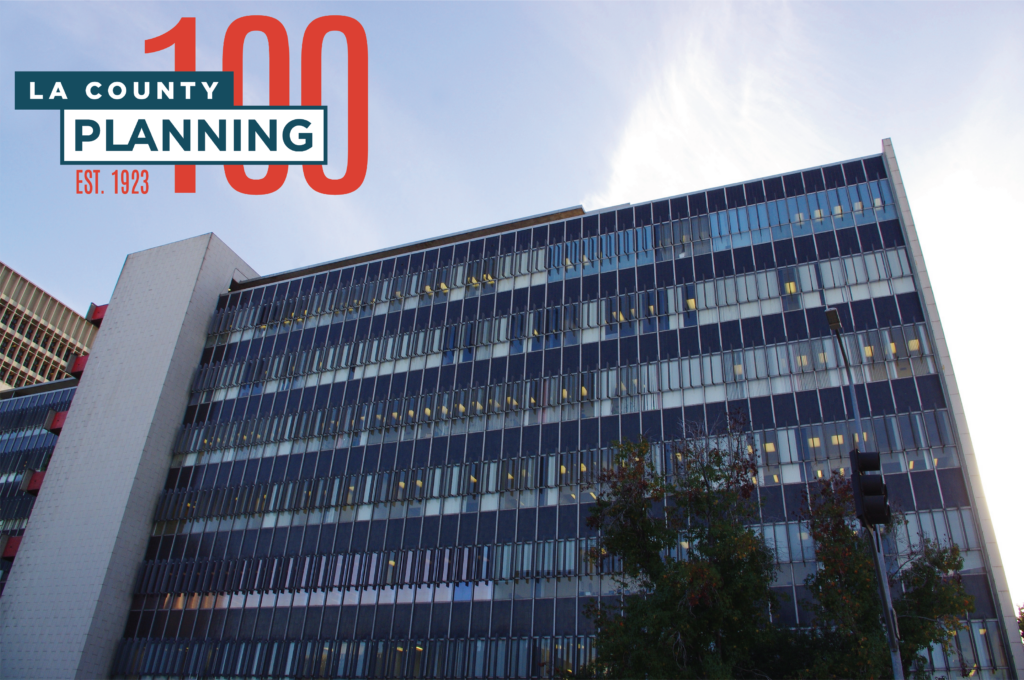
(380, 467)
(26, 443)
(38, 333)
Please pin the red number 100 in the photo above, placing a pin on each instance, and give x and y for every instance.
(183, 39)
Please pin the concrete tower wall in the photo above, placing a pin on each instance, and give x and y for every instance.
(69, 593)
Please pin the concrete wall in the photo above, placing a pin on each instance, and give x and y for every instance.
(993, 561)
(67, 599)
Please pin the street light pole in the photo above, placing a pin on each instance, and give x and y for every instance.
(892, 631)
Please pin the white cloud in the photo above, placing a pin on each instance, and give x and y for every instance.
(742, 91)
(730, 100)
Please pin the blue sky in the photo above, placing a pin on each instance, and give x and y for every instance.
(481, 113)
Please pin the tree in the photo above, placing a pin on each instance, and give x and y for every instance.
(849, 634)
(694, 573)
(1020, 620)
(695, 576)
(933, 601)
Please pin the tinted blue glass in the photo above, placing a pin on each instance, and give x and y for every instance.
(448, 513)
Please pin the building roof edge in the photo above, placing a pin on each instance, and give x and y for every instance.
(489, 230)
(38, 388)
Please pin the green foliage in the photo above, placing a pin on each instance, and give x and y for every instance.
(932, 602)
(849, 633)
(700, 616)
(705, 613)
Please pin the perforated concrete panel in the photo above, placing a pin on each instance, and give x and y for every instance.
(66, 603)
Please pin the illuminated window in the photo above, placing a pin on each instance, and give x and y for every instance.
(914, 345)
(837, 439)
(769, 447)
(790, 287)
(814, 442)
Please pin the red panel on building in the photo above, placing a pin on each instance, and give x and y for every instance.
(76, 366)
(55, 421)
(95, 314)
(35, 483)
(11, 549)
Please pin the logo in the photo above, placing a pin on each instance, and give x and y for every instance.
(187, 117)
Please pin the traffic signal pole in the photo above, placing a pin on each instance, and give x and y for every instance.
(891, 629)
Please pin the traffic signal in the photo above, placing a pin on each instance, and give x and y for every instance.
(869, 493)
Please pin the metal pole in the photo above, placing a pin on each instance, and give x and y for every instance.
(891, 629)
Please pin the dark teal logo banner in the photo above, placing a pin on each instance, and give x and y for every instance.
(76, 90)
